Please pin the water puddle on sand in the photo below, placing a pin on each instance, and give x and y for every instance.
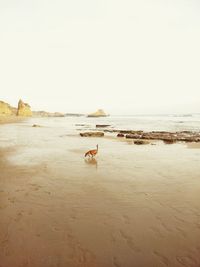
(193, 145)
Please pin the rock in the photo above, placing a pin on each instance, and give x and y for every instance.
(169, 141)
(131, 132)
(123, 131)
(36, 125)
(81, 124)
(133, 136)
(58, 114)
(24, 109)
(185, 132)
(98, 113)
(167, 137)
(5, 109)
(120, 135)
(14, 111)
(92, 134)
(102, 125)
(74, 115)
(141, 142)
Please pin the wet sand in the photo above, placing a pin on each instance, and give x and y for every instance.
(131, 206)
(10, 119)
(193, 145)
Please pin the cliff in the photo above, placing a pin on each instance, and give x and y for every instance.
(24, 109)
(5, 109)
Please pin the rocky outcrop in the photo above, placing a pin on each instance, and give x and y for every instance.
(120, 135)
(36, 125)
(172, 137)
(166, 137)
(133, 136)
(5, 109)
(169, 141)
(24, 109)
(55, 114)
(141, 142)
(92, 134)
(98, 113)
(102, 125)
(47, 114)
(74, 115)
(14, 111)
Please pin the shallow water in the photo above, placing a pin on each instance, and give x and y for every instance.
(146, 123)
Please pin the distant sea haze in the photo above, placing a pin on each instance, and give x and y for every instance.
(168, 122)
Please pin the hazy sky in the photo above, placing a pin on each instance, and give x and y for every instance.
(126, 56)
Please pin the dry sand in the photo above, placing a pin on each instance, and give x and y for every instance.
(132, 206)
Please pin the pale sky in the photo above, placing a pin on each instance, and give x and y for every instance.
(125, 56)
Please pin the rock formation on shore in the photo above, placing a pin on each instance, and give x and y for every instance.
(92, 134)
(102, 125)
(47, 114)
(98, 113)
(5, 109)
(24, 109)
(166, 137)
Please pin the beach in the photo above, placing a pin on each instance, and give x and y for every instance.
(130, 206)
(10, 119)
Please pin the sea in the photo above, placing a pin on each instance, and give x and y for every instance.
(173, 123)
(55, 136)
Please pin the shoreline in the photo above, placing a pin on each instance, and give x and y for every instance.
(11, 119)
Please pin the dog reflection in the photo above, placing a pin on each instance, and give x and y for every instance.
(91, 161)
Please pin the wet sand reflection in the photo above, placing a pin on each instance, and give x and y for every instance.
(92, 161)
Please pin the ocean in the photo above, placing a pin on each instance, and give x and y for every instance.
(186, 122)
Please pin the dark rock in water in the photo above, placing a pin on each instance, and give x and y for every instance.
(36, 125)
(141, 142)
(120, 135)
(131, 132)
(102, 125)
(74, 115)
(169, 141)
(92, 134)
(185, 132)
(133, 136)
(122, 131)
(168, 137)
(81, 124)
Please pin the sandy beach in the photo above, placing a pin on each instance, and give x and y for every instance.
(131, 206)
